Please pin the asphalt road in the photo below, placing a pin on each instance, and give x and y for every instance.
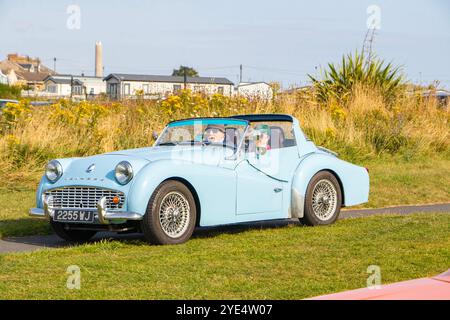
(31, 243)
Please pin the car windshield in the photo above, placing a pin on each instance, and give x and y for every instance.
(206, 132)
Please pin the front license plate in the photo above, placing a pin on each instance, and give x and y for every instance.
(74, 216)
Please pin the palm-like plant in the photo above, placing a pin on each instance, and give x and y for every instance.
(339, 80)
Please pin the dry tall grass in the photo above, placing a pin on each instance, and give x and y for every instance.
(364, 128)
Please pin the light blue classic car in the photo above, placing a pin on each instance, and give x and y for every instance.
(201, 172)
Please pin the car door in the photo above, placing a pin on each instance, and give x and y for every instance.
(264, 178)
(256, 192)
(281, 158)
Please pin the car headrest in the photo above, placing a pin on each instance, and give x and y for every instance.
(276, 137)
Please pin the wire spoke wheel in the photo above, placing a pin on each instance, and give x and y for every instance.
(324, 200)
(174, 214)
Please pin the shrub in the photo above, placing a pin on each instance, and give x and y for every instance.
(9, 92)
(339, 81)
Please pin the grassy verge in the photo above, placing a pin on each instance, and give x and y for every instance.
(291, 262)
(393, 182)
(14, 220)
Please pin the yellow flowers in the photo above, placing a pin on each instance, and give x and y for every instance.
(12, 140)
(83, 113)
(171, 105)
(337, 112)
(13, 111)
(330, 133)
(190, 104)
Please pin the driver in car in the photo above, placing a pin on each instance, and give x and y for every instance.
(215, 133)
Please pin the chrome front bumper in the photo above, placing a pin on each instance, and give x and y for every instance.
(104, 217)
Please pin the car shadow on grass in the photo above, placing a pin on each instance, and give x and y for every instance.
(30, 243)
(209, 232)
(23, 227)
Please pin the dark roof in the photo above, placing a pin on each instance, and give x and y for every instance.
(25, 65)
(157, 78)
(68, 77)
(264, 117)
(75, 76)
(63, 81)
(32, 76)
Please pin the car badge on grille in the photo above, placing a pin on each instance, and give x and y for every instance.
(90, 168)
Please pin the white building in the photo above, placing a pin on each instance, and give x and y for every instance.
(3, 78)
(62, 87)
(90, 85)
(120, 86)
(261, 90)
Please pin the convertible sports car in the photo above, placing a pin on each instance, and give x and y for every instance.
(201, 172)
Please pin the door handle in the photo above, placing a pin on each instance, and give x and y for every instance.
(277, 190)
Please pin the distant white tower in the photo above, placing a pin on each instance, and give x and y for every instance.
(98, 59)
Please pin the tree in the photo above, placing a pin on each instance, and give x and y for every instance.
(190, 72)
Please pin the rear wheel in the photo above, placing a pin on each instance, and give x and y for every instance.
(171, 214)
(323, 200)
(71, 235)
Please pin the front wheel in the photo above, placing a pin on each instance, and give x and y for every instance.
(323, 200)
(171, 214)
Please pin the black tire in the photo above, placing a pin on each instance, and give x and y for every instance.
(311, 216)
(77, 236)
(151, 224)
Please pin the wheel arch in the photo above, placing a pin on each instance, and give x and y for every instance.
(193, 192)
(339, 181)
(353, 180)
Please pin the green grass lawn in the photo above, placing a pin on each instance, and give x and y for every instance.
(14, 220)
(290, 262)
(393, 182)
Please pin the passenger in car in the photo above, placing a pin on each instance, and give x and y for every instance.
(262, 133)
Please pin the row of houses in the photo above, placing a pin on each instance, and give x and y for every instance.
(127, 86)
(25, 71)
(43, 82)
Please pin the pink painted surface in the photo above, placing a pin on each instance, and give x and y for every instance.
(434, 288)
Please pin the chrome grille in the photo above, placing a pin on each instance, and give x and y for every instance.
(83, 197)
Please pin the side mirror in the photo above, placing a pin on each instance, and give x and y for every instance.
(155, 135)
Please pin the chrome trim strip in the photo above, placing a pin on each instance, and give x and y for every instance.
(297, 205)
(47, 211)
(123, 216)
(328, 151)
(101, 209)
(36, 212)
(104, 216)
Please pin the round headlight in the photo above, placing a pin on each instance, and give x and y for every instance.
(54, 171)
(124, 172)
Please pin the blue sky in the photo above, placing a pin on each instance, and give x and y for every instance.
(279, 40)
